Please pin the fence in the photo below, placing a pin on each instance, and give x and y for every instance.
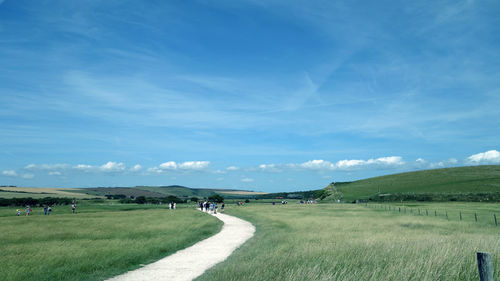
(447, 214)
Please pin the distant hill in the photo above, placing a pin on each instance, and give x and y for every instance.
(101, 192)
(171, 190)
(475, 183)
(182, 191)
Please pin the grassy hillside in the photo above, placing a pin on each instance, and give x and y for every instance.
(147, 191)
(463, 181)
(186, 192)
(41, 192)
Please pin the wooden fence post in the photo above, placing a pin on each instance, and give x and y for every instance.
(485, 266)
(460, 215)
(495, 216)
(475, 216)
(399, 209)
(435, 213)
(446, 214)
(419, 211)
(426, 212)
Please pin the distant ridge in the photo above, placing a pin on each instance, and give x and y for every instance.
(472, 183)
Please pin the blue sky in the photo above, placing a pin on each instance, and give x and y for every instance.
(261, 95)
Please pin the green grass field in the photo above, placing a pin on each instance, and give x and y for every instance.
(100, 241)
(354, 242)
(450, 180)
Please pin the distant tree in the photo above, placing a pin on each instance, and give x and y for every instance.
(194, 199)
(247, 201)
(217, 198)
(140, 200)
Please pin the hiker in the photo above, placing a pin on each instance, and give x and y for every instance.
(45, 210)
(201, 206)
(28, 210)
(18, 212)
(222, 207)
(206, 206)
(211, 208)
(175, 205)
(215, 208)
(48, 210)
(73, 208)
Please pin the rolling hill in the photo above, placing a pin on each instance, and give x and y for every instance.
(101, 192)
(448, 184)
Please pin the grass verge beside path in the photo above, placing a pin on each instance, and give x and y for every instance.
(96, 245)
(352, 242)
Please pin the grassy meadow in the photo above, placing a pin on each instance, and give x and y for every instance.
(100, 241)
(355, 242)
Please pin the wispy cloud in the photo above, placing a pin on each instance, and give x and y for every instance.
(9, 173)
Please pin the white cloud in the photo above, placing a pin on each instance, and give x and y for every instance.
(9, 173)
(83, 167)
(55, 173)
(46, 167)
(420, 161)
(232, 168)
(186, 166)
(247, 180)
(194, 165)
(28, 176)
(317, 165)
(171, 165)
(436, 165)
(488, 157)
(136, 168)
(155, 170)
(112, 167)
(269, 168)
(320, 164)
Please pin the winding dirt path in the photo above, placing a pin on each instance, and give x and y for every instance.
(191, 262)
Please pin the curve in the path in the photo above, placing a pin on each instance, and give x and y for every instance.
(191, 262)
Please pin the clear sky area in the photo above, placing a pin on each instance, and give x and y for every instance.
(260, 95)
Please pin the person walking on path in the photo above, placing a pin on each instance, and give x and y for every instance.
(73, 208)
(45, 210)
(215, 208)
(222, 208)
(28, 210)
(18, 212)
(48, 210)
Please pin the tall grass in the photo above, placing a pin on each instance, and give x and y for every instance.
(95, 245)
(352, 242)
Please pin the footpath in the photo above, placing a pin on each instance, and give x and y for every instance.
(191, 262)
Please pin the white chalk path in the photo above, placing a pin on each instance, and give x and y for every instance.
(191, 262)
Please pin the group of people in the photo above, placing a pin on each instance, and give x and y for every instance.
(210, 207)
(172, 205)
(47, 209)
